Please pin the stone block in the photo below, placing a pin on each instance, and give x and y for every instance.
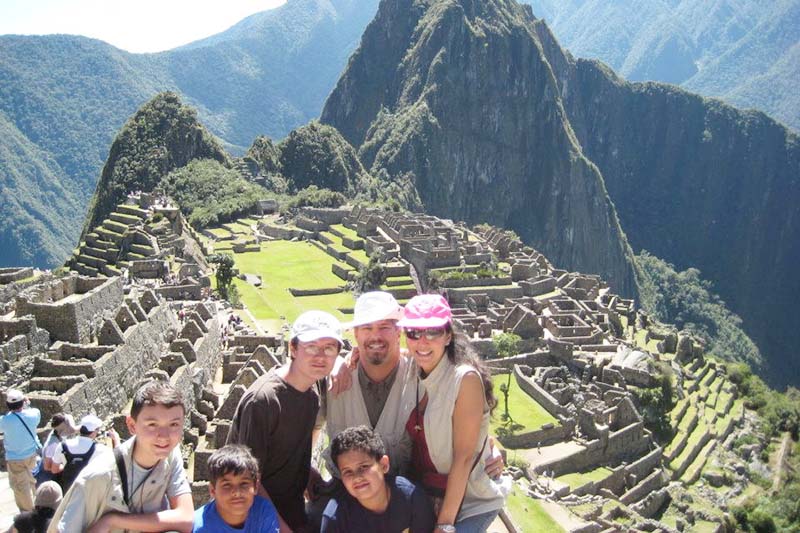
(228, 407)
(263, 355)
(186, 347)
(170, 362)
(246, 377)
(148, 300)
(191, 331)
(125, 318)
(230, 371)
(221, 431)
(110, 334)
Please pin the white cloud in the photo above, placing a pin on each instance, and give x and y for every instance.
(139, 26)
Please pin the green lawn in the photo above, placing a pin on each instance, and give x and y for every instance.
(219, 232)
(579, 479)
(524, 410)
(528, 514)
(347, 232)
(285, 264)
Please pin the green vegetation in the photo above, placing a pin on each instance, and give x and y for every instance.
(778, 411)
(224, 272)
(523, 409)
(317, 154)
(528, 513)
(371, 276)
(162, 136)
(579, 479)
(313, 196)
(283, 265)
(655, 403)
(210, 194)
(685, 299)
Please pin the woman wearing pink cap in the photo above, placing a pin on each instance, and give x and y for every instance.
(449, 426)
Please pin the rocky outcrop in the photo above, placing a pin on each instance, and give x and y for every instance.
(700, 184)
(457, 100)
(162, 136)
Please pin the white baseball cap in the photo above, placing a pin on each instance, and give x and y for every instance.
(91, 423)
(14, 396)
(373, 307)
(313, 325)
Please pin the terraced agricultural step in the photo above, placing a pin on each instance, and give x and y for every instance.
(143, 249)
(96, 262)
(85, 270)
(108, 235)
(398, 282)
(105, 255)
(111, 270)
(122, 218)
(114, 226)
(694, 470)
(132, 210)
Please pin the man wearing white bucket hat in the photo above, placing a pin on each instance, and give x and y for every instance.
(385, 390)
(382, 397)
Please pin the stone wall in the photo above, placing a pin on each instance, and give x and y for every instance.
(118, 372)
(74, 316)
(329, 216)
(10, 275)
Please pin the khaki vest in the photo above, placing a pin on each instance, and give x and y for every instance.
(348, 409)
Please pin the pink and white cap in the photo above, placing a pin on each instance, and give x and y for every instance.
(426, 311)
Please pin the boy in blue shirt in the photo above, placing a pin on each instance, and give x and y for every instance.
(374, 502)
(235, 507)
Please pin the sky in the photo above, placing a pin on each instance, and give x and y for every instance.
(135, 26)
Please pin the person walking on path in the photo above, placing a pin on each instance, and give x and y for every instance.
(22, 447)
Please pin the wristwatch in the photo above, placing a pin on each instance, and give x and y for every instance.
(446, 528)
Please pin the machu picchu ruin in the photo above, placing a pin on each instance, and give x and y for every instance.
(577, 428)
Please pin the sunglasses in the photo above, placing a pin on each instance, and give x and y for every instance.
(431, 333)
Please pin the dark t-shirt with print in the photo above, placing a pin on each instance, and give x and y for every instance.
(409, 510)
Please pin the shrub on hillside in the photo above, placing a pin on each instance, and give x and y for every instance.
(210, 194)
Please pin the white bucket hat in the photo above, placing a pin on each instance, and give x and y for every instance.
(373, 307)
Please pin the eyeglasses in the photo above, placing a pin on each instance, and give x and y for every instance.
(330, 350)
(431, 333)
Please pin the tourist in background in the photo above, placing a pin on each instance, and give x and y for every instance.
(48, 497)
(449, 425)
(62, 427)
(75, 453)
(22, 447)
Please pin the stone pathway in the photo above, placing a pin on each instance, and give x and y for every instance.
(548, 454)
(7, 506)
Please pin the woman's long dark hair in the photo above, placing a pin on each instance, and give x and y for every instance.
(459, 351)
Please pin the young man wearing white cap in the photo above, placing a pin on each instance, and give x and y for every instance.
(22, 446)
(75, 453)
(276, 417)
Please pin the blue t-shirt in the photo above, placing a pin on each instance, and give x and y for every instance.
(18, 441)
(409, 510)
(262, 517)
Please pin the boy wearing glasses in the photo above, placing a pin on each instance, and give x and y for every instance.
(276, 417)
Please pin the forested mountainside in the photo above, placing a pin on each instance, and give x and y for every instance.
(744, 51)
(65, 97)
(479, 109)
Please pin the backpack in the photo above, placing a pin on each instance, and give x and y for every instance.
(75, 463)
